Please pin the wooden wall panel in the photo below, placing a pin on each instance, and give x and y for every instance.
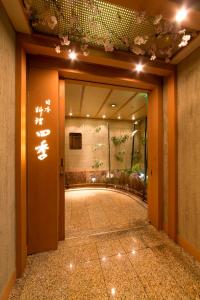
(61, 216)
(155, 159)
(43, 177)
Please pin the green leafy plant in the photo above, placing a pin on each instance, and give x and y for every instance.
(120, 140)
(136, 168)
(120, 156)
(98, 129)
(97, 164)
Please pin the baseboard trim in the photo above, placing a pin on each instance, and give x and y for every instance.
(189, 247)
(6, 291)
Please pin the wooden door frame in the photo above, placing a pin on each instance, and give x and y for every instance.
(102, 74)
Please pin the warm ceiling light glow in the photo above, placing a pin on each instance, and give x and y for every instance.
(72, 55)
(113, 291)
(104, 116)
(87, 115)
(139, 67)
(181, 15)
(70, 114)
(113, 105)
(133, 117)
(119, 117)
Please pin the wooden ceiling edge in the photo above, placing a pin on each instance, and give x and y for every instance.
(144, 105)
(166, 8)
(104, 102)
(43, 45)
(104, 85)
(17, 16)
(89, 72)
(194, 45)
(124, 104)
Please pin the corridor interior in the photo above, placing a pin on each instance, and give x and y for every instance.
(131, 261)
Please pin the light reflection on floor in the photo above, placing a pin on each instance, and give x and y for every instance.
(135, 263)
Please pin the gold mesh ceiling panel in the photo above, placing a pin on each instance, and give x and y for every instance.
(103, 21)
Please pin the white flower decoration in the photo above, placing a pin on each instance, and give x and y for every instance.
(153, 57)
(57, 49)
(140, 40)
(185, 40)
(65, 41)
(157, 19)
(108, 46)
(52, 22)
(137, 50)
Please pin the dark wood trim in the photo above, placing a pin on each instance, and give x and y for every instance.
(61, 214)
(172, 157)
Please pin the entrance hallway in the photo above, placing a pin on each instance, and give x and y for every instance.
(90, 211)
(135, 263)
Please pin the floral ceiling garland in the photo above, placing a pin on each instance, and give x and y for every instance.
(163, 29)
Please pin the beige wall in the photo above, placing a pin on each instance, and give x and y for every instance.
(78, 160)
(7, 152)
(189, 149)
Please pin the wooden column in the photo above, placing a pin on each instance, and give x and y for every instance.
(172, 157)
(155, 159)
(43, 175)
(61, 217)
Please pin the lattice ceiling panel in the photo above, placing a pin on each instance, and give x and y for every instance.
(101, 24)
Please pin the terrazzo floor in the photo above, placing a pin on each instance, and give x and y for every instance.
(129, 263)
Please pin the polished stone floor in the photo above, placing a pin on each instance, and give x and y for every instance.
(129, 263)
(90, 211)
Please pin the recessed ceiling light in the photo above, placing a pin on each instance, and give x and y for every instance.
(133, 117)
(113, 105)
(139, 67)
(119, 117)
(70, 114)
(181, 15)
(87, 115)
(104, 116)
(72, 55)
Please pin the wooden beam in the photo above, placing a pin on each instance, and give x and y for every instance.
(193, 45)
(166, 8)
(89, 72)
(43, 45)
(104, 102)
(17, 16)
(124, 104)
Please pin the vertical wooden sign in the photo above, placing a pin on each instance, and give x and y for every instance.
(42, 160)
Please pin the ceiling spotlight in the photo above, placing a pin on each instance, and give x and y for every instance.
(72, 55)
(181, 15)
(113, 105)
(87, 115)
(104, 116)
(119, 117)
(70, 114)
(139, 67)
(133, 117)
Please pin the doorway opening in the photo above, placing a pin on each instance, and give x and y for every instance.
(105, 147)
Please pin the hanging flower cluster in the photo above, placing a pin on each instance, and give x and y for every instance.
(170, 34)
